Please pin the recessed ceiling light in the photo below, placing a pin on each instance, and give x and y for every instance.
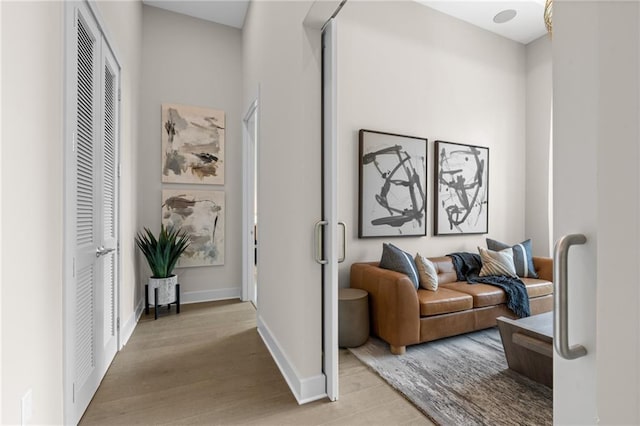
(504, 16)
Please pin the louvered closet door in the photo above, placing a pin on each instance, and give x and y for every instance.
(94, 183)
(108, 198)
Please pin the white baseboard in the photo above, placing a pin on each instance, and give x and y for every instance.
(304, 389)
(210, 295)
(126, 330)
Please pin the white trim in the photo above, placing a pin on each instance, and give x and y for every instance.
(306, 389)
(127, 329)
(210, 295)
(248, 207)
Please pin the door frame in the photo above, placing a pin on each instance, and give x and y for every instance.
(68, 288)
(330, 362)
(249, 189)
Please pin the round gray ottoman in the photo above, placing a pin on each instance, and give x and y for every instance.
(353, 317)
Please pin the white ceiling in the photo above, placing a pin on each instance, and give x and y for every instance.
(527, 26)
(226, 12)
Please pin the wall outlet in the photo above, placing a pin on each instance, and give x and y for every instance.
(27, 407)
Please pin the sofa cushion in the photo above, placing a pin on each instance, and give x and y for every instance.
(497, 262)
(398, 260)
(522, 256)
(482, 294)
(427, 273)
(443, 301)
(444, 268)
(537, 287)
(489, 295)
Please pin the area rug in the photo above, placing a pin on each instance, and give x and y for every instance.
(462, 380)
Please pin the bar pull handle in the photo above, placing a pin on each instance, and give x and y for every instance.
(344, 241)
(318, 232)
(560, 298)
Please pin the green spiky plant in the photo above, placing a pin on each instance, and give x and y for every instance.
(163, 252)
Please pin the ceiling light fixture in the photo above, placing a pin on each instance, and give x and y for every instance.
(504, 16)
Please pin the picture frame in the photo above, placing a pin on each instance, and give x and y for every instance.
(392, 185)
(193, 140)
(201, 214)
(461, 189)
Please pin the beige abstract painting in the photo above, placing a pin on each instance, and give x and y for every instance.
(201, 215)
(192, 144)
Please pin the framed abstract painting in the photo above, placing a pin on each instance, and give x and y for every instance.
(461, 199)
(192, 144)
(201, 215)
(393, 180)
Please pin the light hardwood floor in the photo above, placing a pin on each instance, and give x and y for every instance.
(208, 365)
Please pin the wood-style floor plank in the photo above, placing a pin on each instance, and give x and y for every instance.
(208, 365)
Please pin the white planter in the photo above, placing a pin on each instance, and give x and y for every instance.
(166, 289)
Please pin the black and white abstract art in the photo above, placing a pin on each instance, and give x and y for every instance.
(461, 189)
(393, 171)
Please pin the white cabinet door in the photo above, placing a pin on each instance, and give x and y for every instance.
(596, 193)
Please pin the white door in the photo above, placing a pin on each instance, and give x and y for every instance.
(596, 190)
(250, 210)
(330, 223)
(91, 236)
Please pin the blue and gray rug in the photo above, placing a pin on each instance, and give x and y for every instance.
(462, 380)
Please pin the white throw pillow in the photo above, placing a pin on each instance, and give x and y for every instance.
(497, 262)
(427, 273)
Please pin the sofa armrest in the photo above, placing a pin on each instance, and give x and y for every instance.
(393, 302)
(544, 267)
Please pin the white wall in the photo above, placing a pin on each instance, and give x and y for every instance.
(404, 68)
(32, 183)
(192, 62)
(538, 118)
(1, 236)
(32, 227)
(283, 58)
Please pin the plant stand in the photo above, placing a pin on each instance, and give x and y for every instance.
(155, 301)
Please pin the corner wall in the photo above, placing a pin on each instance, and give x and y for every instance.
(539, 96)
(407, 69)
(190, 61)
(283, 59)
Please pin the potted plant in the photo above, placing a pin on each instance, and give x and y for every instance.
(162, 253)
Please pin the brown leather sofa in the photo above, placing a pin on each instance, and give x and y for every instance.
(402, 316)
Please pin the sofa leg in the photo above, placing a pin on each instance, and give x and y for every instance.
(398, 350)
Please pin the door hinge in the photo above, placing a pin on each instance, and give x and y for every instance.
(73, 392)
(73, 142)
(118, 323)
(73, 267)
(119, 94)
(119, 169)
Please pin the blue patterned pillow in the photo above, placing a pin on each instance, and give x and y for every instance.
(522, 257)
(397, 260)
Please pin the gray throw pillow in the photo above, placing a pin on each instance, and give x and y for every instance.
(522, 256)
(397, 260)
